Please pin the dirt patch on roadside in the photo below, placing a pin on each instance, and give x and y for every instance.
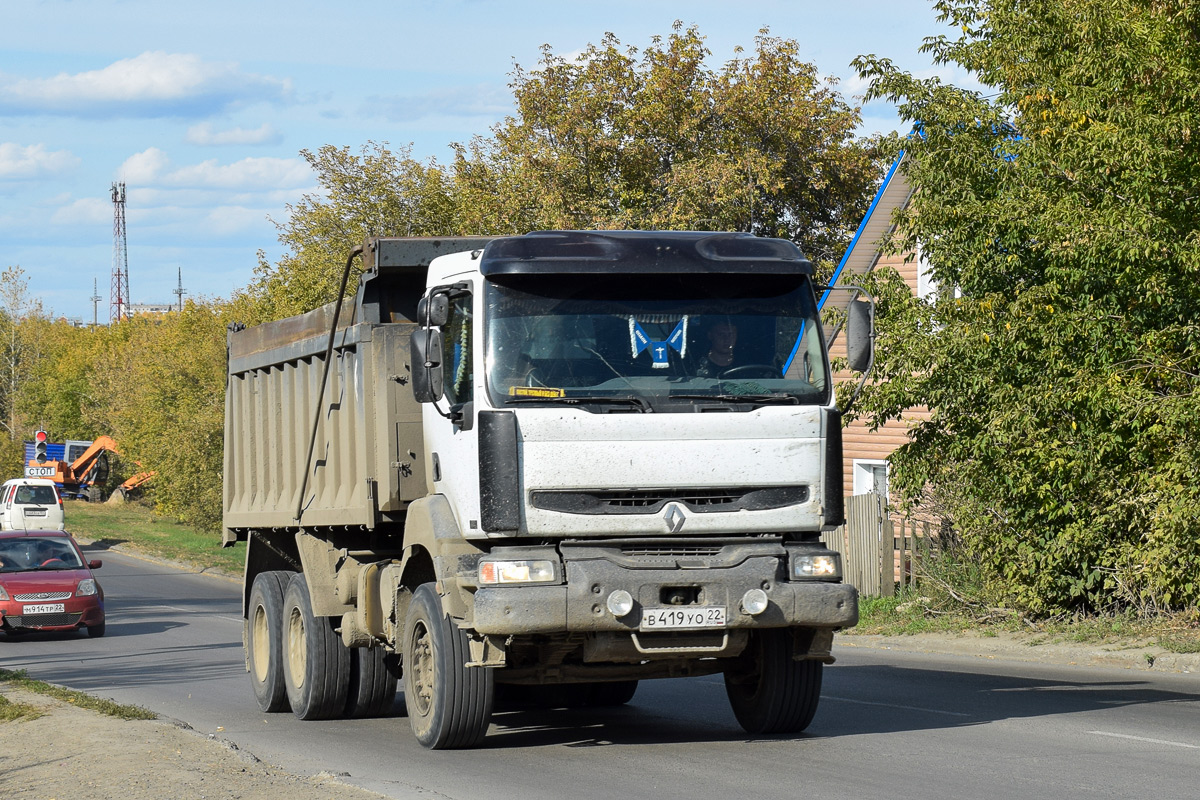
(71, 752)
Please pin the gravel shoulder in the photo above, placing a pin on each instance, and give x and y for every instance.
(74, 752)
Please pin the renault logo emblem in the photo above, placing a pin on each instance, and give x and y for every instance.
(674, 518)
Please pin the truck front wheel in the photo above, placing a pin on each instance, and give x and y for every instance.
(449, 704)
(317, 665)
(264, 640)
(769, 691)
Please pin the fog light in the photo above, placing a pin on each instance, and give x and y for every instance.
(620, 603)
(754, 602)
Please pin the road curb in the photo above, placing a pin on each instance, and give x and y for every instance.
(1132, 655)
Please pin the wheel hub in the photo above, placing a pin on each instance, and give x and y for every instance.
(422, 668)
(297, 647)
(261, 635)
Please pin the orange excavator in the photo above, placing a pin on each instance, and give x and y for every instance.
(85, 476)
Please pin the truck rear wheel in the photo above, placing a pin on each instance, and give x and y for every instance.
(317, 665)
(264, 640)
(771, 692)
(449, 704)
(372, 691)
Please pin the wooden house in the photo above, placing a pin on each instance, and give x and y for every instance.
(865, 451)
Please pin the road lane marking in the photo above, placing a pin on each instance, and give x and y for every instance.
(893, 705)
(1146, 739)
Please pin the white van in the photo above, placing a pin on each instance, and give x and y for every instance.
(30, 504)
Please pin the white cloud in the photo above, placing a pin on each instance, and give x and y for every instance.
(145, 167)
(204, 135)
(151, 167)
(84, 211)
(153, 84)
(31, 161)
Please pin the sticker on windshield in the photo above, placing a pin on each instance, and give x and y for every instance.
(659, 350)
(534, 391)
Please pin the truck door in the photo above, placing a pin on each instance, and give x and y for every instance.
(453, 446)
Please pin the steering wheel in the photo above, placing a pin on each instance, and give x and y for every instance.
(752, 371)
(49, 561)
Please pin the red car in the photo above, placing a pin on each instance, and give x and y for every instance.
(46, 584)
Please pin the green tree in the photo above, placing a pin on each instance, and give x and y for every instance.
(609, 139)
(21, 348)
(613, 140)
(1058, 211)
(163, 381)
(372, 192)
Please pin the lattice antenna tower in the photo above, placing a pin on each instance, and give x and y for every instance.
(95, 298)
(118, 304)
(179, 291)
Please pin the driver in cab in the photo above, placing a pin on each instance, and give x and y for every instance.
(722, 340)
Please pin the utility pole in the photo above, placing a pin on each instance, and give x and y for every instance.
(118, 303)
(179, 291)
(95, 298)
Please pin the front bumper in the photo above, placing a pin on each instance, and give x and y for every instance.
(580, 604)
(76, 615)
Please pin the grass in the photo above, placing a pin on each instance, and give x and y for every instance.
(11, 711)
(135, 526)
(912, 614)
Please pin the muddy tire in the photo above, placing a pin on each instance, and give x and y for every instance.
(316, 665)
(264, 640)
(449, 705)
(373, 679)
(769, 691)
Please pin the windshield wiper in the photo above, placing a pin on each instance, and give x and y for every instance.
(774, 397)
(640, 403)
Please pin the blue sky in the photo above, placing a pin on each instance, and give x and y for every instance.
(202, 109)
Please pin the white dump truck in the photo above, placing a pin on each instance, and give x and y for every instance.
(567, 461)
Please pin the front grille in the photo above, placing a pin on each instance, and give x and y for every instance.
(43, 620)
(682, 551)
(656, 499)
(651, 501)
(38, 597)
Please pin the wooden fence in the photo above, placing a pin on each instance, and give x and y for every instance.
(880, 556)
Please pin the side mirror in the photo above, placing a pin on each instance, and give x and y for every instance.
(433, 310)
(860, 335)
(425, 351)
(95, 564)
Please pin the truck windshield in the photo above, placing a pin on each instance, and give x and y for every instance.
(654, 342)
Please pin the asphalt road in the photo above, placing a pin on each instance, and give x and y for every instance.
(890, 724)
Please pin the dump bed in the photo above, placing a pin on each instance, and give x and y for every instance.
(368, 462)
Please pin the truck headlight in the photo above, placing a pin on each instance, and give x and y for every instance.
(87, 588)
(492, 573)
(816, 566)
